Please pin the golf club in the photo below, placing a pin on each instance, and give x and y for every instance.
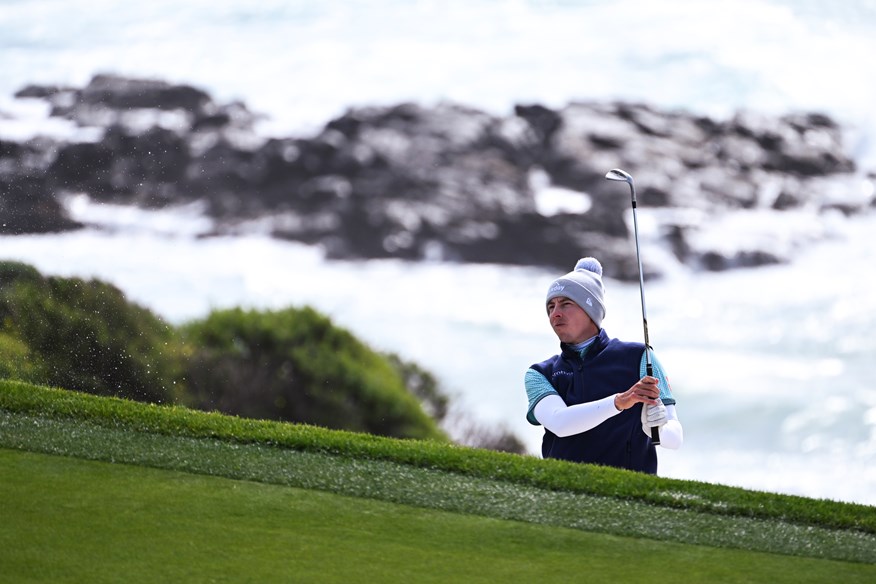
(617, 174)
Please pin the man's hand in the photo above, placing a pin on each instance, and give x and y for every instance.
(653, 416)
(645, 391)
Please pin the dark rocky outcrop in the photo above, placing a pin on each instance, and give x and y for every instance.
(447, 182)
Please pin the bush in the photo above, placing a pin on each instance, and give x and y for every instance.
(295, 365)
(83, 335)
(422, 385)
(16, 360)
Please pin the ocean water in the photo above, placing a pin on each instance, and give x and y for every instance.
(771, 366)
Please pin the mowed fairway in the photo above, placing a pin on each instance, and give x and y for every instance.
(70, 520)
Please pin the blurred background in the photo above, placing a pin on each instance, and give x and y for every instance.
(769, 360)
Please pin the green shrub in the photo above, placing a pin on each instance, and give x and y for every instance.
(292, 365)
(16, 360)
(295, 365)
(84, 335)
(423, 385)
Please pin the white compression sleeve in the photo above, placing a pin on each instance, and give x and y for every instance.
(553, 413)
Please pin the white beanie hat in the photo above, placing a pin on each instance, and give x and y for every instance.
(583, 286)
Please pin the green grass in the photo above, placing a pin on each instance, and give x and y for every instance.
(86, 521)
(421, 510)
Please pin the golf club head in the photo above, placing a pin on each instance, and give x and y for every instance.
(623, 176)
(620, 175)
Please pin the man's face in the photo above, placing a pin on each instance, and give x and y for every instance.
(570, 323)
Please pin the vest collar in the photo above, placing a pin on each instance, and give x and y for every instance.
(593, 348)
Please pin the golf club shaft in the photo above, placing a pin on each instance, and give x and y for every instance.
(649, 368)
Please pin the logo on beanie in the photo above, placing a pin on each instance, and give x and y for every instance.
(589, 302)
(557, 287)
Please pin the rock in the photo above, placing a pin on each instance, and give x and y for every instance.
(43, 91)
(29, 206)
(122, 167)
(447, 182)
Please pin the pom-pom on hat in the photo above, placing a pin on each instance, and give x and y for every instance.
(583, 286)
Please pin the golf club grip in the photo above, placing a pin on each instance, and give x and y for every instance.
(655, 431)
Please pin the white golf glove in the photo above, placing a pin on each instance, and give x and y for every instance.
(653, 416)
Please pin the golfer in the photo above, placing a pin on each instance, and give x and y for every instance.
(594, 399)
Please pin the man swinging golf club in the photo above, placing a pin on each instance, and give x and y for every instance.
(600, 399)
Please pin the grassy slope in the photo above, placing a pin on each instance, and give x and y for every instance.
(73, 520)
(574, 498)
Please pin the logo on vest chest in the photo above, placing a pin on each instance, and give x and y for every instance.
(563, 381)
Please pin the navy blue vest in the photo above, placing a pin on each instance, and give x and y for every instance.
(609, 366)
